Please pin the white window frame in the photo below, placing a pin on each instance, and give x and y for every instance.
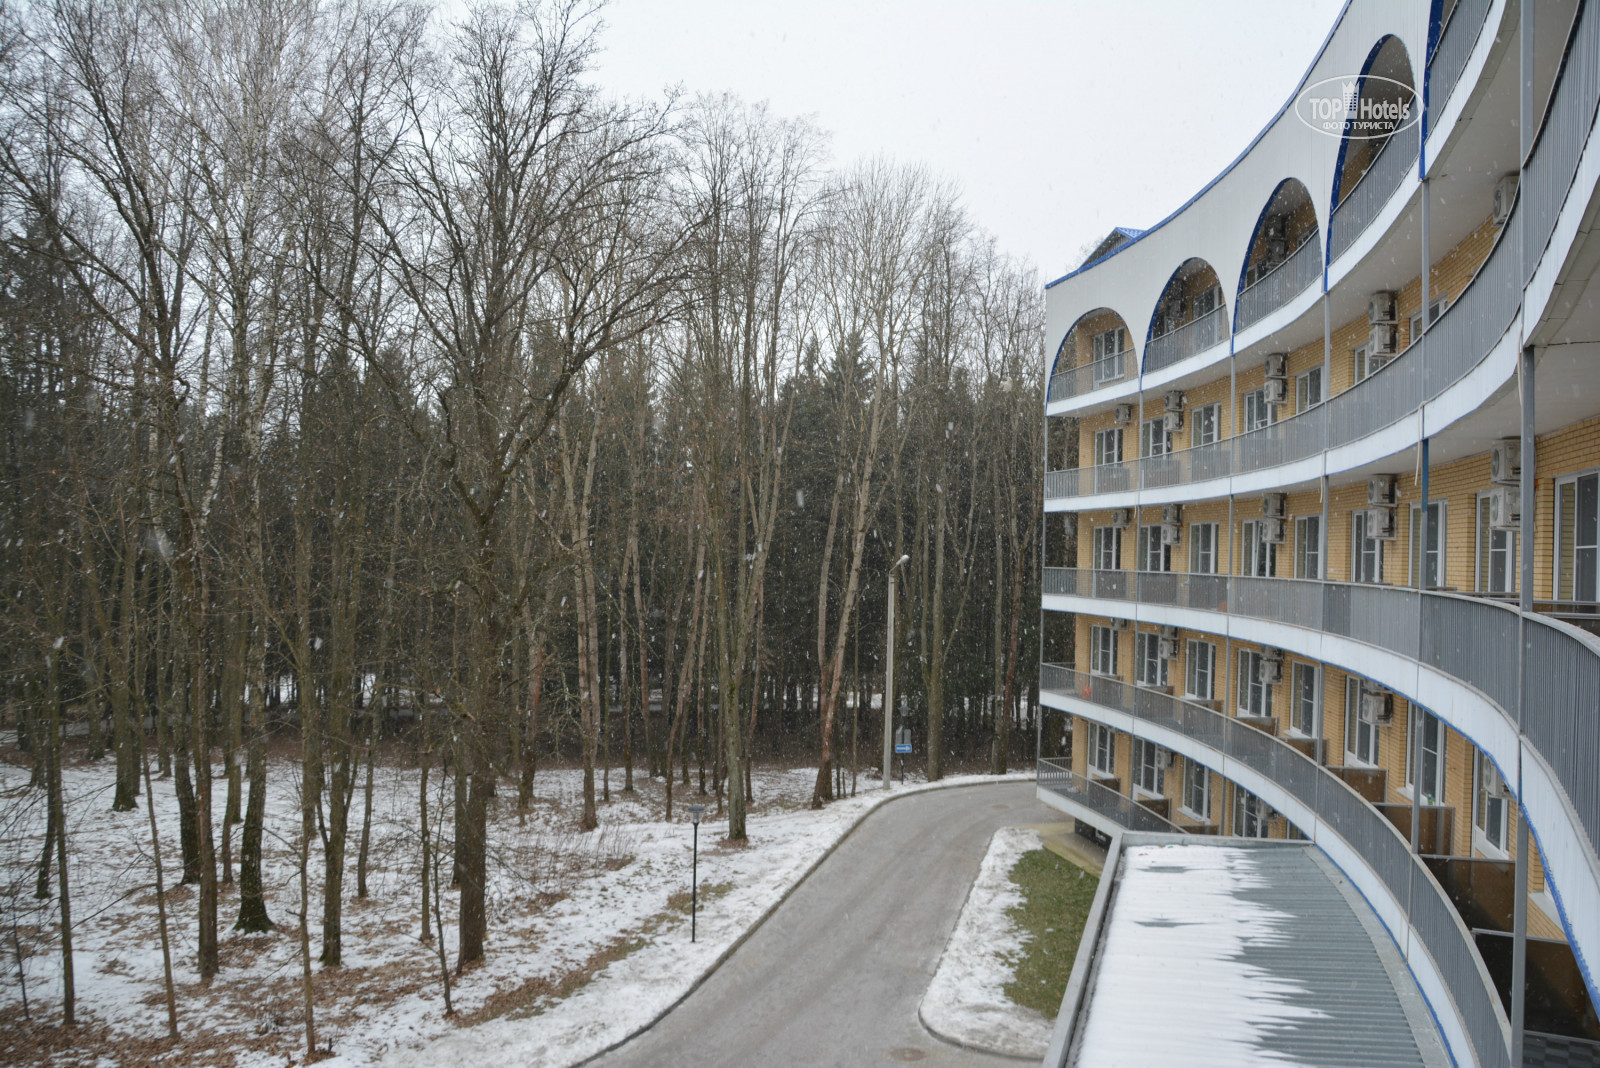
(1259, 557)
(1361, 740)
(1108, 446)
(1361, 555)
(1252, 817)
(1107, 548)
(1149, 670)
(1103, 651)
(1154, 437)
(1203, 542)
(1490, 815)
(1148, 778)
(1485, 550)
(1200, 670)
(1359, 354)
(1440, 532)
(1205, 424)
(1308, 547)
(1438, 308)
(1305, 715)
(1108, 345)
(1308, 389)
(1566, 586)
(1153, 555)
(1432, 791)
(1252, 696)
(1197, 790)
(1257, 413)
(1102, 747)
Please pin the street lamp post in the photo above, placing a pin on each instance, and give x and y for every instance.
(888, 681)
(695, 812)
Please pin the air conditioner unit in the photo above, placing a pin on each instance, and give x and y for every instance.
(1163, 758)
(1377, 705)
(1120, 518)
(1505, 462)
(1505, 194)
(1269, 671)
(1173, 402)
(1505, 507)
(1274, 531)
(1493, 784)
(1276, 227)
(1380, 308)
(1172, 422)
(1168, 631)
(1170, 533)
(1381, 342)
(1124, 414)
(1276, 391)
(1381, 490)
(1380, 523)
(1167, 648)
(1119, 625)
(1172, 513)
(1277, 365)
(1273, 505)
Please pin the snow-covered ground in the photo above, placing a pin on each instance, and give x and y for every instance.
(966, 1002)
(588, 933)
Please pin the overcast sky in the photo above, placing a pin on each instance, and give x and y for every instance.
(1059, 120)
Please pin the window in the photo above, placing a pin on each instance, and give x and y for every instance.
(1260, 557)
(1148, 667)
(1108, 446)
(1107, 549)
(1207, 301)
(1203, 548)
(1204, 423)
(1365, 366)
(1252, 817)
(1496, 569)
(1435, 309)
(1305, 715)
(1102, 651)
(1257, 412)
(1154, 440)
(1577, 537)
(1255, 696)
(1102, 750)
(1109, 346)
(1432, 755)
(1153, 555)
(1308, 390)
(1489, 808)
(1199, 669)
(1197, 790)
(1360, 739)
(1433, 554)
(1308, 547)
(1147, 773)
(1366, 557)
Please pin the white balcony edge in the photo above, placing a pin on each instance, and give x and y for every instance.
(1398, 204)
(1572, 865)
(1440, 133)
(1280, 318)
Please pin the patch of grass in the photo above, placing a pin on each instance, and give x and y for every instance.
(1056, 897)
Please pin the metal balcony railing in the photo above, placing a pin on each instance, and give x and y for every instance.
(1396, 159)
(1562, 135)
(1058, 777)
(1075, 381)
(1280, 285)
(1455, 46)
(1195, 336)
(1472, 640)
(1379, 843)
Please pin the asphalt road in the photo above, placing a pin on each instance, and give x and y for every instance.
(835, 975)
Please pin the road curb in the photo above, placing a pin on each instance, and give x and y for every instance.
(769, 910)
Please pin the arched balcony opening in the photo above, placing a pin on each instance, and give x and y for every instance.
(1096, 352)
(1285, 255)
(1381, 145)
(1190, 317)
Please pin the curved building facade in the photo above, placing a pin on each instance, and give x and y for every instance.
(1323, 504)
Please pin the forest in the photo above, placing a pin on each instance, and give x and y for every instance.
(376, 387)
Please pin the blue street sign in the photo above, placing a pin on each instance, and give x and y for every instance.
(902, 747)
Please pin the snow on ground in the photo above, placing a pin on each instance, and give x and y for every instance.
(588, 933)
(966, 1002)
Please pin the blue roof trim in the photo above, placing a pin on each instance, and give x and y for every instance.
(1226, 170)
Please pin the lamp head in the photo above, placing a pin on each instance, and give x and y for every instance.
(695, 812)
(906, 559)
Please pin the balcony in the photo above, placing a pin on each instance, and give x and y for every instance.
(1282, 284)
(1455, 46)
(1396, 159)
(1192, 338)
(1103, 805)
(1075, 381)
(1356, 836)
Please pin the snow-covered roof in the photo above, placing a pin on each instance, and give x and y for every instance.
(1222, 954)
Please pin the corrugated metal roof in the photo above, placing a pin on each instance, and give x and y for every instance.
(1228, 953)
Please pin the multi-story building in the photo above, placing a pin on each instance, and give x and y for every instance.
(1324, 518)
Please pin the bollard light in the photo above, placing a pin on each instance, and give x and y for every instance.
(695, 813)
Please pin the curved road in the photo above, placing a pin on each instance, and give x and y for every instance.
(835, 975)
